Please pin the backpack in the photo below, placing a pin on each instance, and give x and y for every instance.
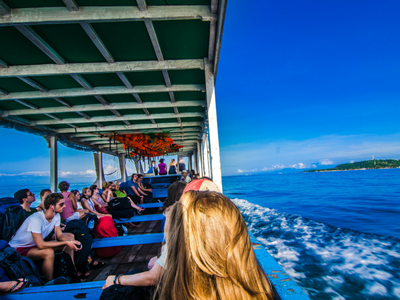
(7, 201)
(11, 220)
(15, 266)
(120, 208)
(83, 235)
(63, 266)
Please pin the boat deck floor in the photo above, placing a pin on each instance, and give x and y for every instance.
(130, 257)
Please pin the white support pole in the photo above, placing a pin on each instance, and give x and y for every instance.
(195, 161)
(213, 125)
(52, 142)
(200, 159)
(189, 163)
(122, 168)
(98, 164)
(206, 162)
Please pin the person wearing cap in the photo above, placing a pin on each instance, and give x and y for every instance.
(185, 177)
(26, 198)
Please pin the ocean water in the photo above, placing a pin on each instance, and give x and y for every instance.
(336, 233)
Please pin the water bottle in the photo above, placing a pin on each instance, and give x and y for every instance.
(91, 224)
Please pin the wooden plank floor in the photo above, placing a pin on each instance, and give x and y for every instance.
(130, 257)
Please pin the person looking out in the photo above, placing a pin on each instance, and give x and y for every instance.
(43, 194)
(29, 238)
(26, 198)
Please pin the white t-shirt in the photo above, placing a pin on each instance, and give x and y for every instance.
(36, 223)
(163, 257)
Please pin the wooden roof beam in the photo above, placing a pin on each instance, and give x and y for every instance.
(89, 134)
(97, 107)
(117, 117)
(75, 92)
(59, 15)
(113, 128)
(96, 68)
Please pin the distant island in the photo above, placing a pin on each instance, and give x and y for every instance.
(363, 165)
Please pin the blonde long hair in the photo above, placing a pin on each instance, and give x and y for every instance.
(210, 255)
(172, 163)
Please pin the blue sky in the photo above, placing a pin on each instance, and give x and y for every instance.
(299, 84)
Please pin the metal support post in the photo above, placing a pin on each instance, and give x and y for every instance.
(98, 164)
(122, 167)
(52, 144)
(200, 159)
(213, 125)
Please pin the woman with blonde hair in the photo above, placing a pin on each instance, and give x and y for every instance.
(172, 167)
(209, 253)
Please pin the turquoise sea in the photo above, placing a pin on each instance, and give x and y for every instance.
(336, 233)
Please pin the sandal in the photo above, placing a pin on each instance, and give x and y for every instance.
(99, 265)
(83, 276)
(24, 281)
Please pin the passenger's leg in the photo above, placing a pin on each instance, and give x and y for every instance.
(48, 260)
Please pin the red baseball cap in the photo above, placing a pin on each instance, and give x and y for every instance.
(202, 185)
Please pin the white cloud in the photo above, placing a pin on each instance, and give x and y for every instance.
(325, 162)
(339, 149)
(293, 166)
(87, 173)
(352, 161)
(247, 171)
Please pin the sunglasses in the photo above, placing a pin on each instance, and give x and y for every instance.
(62, 204)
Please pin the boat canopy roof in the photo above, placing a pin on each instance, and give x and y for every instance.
(86, 70)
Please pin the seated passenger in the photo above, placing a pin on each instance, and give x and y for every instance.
(88, 203)
(43, 194)
(68, 213)
(141, 187)
(26, 198)
(75, 197)
(29, 239)
(185, 177)
(134, 191)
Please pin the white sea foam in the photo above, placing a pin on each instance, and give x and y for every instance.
(330, 258)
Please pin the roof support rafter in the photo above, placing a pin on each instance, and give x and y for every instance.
(4, 9)
(91, 68)
(118, 117)
(3, 64)
(59, 15)
(114, 128)
(71, 5)
(31, 35)
(33, 84)
(97, 107)
(142, 5)
(3, 92)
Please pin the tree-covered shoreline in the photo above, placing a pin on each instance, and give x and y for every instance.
(363, 165)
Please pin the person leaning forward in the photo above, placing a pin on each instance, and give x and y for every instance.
(29, 239)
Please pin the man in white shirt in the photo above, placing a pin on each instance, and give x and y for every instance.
(185, 177)
(28, 240)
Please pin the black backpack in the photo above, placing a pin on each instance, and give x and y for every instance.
(63, 266)
(120, 208)
(15, 266)
(11, 220)
(82, 234)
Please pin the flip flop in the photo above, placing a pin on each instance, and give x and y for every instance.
(99, 265)
(24, 281)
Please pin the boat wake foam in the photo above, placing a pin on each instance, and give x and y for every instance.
(326, 261)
